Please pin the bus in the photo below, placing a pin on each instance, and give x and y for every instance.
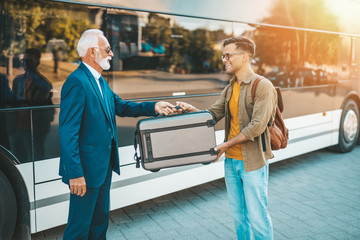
(164, 50)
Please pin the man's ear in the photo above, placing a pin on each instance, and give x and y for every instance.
(91, 51)
(245, 57)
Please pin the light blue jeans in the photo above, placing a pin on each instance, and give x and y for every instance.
(247, 194)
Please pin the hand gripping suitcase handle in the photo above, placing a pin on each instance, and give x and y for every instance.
(213, 152)
(177, 107)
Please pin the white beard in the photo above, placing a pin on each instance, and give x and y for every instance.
(103, 62)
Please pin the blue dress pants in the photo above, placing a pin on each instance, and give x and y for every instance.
(89, 215)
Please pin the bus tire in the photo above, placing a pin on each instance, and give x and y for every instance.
(8, 210)
(349, 127)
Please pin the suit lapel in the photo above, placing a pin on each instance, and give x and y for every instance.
(95, 87)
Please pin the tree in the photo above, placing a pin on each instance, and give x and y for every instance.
(33, 23)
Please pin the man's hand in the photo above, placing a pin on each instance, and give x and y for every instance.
(78, 186)
(222, 148)
(164, 108)
(238, 139)
(187, 107)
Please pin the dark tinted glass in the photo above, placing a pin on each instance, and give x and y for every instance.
(45, 132)
(38, 43)
(161, 55)
(294, 58)
(344, 58)
(15, 134)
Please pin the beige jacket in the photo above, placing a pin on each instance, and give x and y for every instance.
(253, 118)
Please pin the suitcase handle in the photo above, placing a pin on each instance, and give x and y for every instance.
(137, 157)
(177, 107)
(213, 152)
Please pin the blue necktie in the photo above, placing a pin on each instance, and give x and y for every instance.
(107, 107)
(102, 85)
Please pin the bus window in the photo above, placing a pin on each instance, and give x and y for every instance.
(344, 58)
(159, 55)
(15, 134)
(39, 53)
(354, 58)
(295, 58)
(357, 62)
(276, 55)
(320, 54)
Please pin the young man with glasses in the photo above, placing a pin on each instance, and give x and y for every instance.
(246, 165)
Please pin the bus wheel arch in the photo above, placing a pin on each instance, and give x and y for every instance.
(12, 175)
(8, 208)
(349, 126)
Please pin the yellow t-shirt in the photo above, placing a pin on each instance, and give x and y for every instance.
(235, 151)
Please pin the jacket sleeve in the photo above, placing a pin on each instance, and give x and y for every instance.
(217, 110)
(132, 109)
(263, 109)
(71, 111)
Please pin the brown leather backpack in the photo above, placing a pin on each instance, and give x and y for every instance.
(278, 132)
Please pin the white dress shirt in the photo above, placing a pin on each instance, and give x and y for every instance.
(96, 75)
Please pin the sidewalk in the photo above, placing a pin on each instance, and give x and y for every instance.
(314, 196)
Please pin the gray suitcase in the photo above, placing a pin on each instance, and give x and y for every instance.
(175, 140)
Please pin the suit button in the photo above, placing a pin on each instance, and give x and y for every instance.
(109, 130)
(109, 146)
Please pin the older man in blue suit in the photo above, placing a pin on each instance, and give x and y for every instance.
(88, 137)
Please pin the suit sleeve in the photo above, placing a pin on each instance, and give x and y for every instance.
(133, 109)
(71, 110)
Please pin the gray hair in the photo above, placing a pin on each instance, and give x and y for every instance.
(88, 39)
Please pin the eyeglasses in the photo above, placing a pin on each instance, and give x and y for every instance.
(226, 56)
(107, 50)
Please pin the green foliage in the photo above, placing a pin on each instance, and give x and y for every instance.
(187, 50)
(37, 22)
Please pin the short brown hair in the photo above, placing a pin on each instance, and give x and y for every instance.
(245, 44)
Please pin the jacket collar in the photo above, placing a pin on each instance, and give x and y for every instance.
(92, 71)
(248, 79)
(86, 70)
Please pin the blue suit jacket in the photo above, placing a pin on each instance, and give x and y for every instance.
(86, 127)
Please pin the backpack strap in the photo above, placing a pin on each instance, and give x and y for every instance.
(280, 100)
(254, 87)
